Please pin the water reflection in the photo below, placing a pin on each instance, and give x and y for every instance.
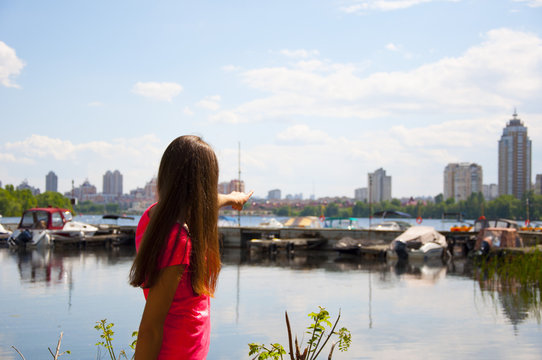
(425, 302)
(518, 301)
(52, 266)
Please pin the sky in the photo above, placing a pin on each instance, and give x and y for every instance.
(315, 94)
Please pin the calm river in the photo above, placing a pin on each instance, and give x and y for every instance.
(394, 312)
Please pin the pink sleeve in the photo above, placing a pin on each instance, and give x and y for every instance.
(178, 248)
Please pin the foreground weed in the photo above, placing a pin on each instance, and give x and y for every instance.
(55, 355)
(106, 333)
(317, 332)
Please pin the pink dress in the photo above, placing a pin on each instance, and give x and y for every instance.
(188, 325)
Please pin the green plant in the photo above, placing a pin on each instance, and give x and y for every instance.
(317, 332)
(107, 333)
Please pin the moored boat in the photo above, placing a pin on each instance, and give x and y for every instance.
(4, 233)
(418, 242)
(274, 244)
(41, 226)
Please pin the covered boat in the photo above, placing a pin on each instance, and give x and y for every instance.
(418, 242)
(40, 226)
(311, 222)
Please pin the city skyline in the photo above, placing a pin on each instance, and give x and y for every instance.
(317, 95)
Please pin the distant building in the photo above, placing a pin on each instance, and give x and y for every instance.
(514, 159)
(490, 191)
(86, 191)
(112, 183)
(223, 187)
(24, 186)
(233, 185)
(538, 185)
(274, 194)
(379, 186)
(294, 196)
(461, 180)
(361, 194)
(51, 182)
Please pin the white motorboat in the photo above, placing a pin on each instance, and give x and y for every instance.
(390, 226)
(271, 223)
(40, 226)
(418, 242)
(4, 233)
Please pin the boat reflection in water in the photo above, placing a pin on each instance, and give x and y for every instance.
(517, 302)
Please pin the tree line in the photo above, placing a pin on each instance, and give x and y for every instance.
(505, 206)
(13, 202)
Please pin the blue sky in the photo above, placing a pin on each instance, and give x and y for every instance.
(317, 93)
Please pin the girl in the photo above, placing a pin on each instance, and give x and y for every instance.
(178, 258)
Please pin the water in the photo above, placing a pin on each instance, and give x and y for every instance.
(363, 223)
(411, 311)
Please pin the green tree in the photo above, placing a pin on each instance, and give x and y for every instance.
(331, 210)
(285, 210)
(26, 199)
(54, 199)
(309, 210)
(9, 204)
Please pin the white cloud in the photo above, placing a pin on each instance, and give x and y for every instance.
(392, 47)
(210, 102)
(165, 91)
(531, 3)
(10, 65)
(301, 135)
(137, 158)
(503, 70)
(360, 6)
(188, 111)
(231, 68)
(299, 53)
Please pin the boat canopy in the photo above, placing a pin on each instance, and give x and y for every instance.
(303, 221)
(391, 213)
(422, 234)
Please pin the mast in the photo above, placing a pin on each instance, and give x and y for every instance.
(239, 181)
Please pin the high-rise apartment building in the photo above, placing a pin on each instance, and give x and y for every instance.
(274, 194)
(514, 159)
(538, 185)
(361, 194)
(490, 191)
(232, 185)
(379, 186)
(112, 183)
(237, 185)
(461, 180)
(51, 182)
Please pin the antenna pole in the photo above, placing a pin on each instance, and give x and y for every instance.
(239, 181)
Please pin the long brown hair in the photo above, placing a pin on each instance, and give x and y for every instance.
(187, 193)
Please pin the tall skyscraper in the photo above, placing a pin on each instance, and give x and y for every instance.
(112, 183)
(379, 186)
(514, 159)
(51, 182)
(461, 180)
